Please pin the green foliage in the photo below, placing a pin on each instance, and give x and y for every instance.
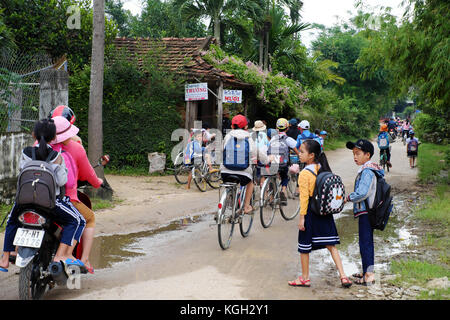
(41, 25)
(139, 109)
(431, 128)
(280, 95)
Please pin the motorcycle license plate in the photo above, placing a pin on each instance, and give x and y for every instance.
(28, 238)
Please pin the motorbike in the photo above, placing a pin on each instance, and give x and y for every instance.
(393, 134)
(37, 240)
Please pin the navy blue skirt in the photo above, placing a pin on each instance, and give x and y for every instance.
(320, 231)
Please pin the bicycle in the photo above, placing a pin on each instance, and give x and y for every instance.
(270, 200)
(180, 170)
(383, 159)
(202, 177)
(231, 211)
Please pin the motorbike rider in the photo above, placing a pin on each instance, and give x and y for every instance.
(72, 221)
(64, 137)
(66, 112)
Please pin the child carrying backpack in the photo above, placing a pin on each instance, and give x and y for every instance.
(412, 148)
(316, 230)
(372, 205)
(46, 193)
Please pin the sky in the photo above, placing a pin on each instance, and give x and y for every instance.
(326, 12)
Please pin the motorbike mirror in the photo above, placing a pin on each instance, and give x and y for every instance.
(104, 159)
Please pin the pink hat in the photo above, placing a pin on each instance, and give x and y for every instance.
(64, 130)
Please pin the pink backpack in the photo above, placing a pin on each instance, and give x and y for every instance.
(72, 170)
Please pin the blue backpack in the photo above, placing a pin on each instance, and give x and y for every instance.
(236, 154)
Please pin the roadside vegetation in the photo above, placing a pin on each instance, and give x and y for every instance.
(433, 217)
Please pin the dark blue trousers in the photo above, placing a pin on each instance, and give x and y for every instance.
(366, 247)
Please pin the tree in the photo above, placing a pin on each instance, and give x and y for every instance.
(216, 10)
(95, 123)
(41, 26)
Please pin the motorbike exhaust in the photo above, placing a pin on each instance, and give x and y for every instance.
(58, 273)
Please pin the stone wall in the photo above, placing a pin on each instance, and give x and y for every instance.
(11, 146)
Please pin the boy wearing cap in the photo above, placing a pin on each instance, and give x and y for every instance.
(304, 133)
(365, 189)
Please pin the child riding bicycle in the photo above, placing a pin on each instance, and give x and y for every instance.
(383, 141)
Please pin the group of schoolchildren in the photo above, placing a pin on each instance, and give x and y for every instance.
(57, 143)
(412, 143)
(315, 231)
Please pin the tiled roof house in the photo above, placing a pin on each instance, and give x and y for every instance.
(182, 56)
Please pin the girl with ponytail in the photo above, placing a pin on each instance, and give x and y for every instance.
(315, 232)
(73, 222)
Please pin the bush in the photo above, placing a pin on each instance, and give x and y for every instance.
(432, 129)
(139, 110)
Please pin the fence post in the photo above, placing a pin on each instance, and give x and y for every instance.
(54, 90)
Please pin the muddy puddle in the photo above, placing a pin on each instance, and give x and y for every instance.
(110, 249)
(396, 240)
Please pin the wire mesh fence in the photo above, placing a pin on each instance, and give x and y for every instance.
(20, 79)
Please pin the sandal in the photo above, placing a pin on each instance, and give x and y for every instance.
(248, 212)
(303, 283)
(3, 269)
(363, 282)
(358, 275)
(347, 283)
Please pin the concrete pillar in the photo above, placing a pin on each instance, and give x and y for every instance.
(15, 110)
(54, 90)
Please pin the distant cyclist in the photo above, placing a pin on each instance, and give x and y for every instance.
(384, 143)
(279, 151)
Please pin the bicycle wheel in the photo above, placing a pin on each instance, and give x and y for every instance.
(199, 180)
(225, 219)
(292, 208)
(268, 202)
(214, 179)
(181, 173)
(246, 220)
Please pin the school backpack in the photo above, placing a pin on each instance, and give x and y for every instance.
(412, 145)
(329, 193)
(279, 147)
(188, 153)
(382, 204)
(36, 183)
(236, 154)
(383, 140)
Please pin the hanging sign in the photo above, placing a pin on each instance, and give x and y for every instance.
(196, 91)
(232, 96)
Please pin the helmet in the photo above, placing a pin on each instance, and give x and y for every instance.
(411, 132)
(384, 127)
(304, 124)
(323, 132)
(64, 111)
(282, 124)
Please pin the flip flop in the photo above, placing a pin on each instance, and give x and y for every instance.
(363, 282)
(358, 275)
(73, 262)
(3, 269)
(303, 283)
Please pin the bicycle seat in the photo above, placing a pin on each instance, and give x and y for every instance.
(232, 179)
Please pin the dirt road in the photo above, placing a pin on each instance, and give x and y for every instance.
(182, 259)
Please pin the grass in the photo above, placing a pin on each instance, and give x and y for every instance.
(419, 273)
(433, 163)
(433, 216)
(134, 172)
(4, 211)
(99, 204)
(339, 142)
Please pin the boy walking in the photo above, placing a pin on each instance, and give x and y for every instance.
(363, 198)
(412, 147)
